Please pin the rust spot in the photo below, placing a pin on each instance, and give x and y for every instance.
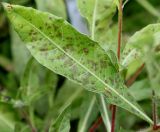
(85, 50)
(43, 49)
(9, 6)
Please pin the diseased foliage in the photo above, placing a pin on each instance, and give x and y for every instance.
(57, 79)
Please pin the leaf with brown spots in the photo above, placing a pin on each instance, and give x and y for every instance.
(67, 57)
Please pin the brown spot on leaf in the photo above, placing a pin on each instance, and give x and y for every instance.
(85, 50)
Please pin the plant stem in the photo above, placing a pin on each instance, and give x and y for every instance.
(113, 118)
(96, 124)
(154, 111)
(130, 81)
(120, 17)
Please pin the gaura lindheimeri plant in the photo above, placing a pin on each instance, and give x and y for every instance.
(103, 63)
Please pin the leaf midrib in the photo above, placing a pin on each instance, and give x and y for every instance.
(109, 87)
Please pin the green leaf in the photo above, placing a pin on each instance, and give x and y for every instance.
(141, 90)
(37, 82)
(104, 112)
(97, 12)
(56, 7)
(152, 65)
(62, 123)
(88, 112)
(22, 54)
(59, 47)
(8, 118)
(6, 125)
(138, 45)
(69, 93)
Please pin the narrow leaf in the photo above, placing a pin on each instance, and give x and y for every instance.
(88, 112)
(62, 123)
(104, 112)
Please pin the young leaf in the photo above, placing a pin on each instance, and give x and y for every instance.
(97, 12)
(141, 90)
(152, 65)
(22, 54)
(69, 93)
(51, 6)
(88, 112)
(59, 47)
(135, 49)
(104, 112)
(62, 123)
(6, 125)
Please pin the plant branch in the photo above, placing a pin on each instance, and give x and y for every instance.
(120, 17)
(96, 124)
(131, 80)
(154, 111)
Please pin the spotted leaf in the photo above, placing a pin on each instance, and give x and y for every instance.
(59, 47)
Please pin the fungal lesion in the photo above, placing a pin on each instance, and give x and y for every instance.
(9, 6)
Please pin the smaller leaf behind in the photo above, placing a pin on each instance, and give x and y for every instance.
(62, 123)
(136, 47)
(88, 113)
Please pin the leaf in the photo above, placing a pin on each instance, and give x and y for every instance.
(8, 118)
(69, 93)
(22, 54)
(62, 123)
(152, 65)
(37, 82)
(141, 90)
(88, 112)
(136, 47)
(56, 7)
(104, 112)
(59, 47)
(6, 125)
(21, 128)
(97, 12)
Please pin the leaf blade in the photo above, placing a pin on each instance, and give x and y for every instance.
(48, 40)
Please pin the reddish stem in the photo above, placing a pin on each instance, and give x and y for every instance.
(154, 112)
(120, 17)
(131, 80)
(113, 118)
(96, 124)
